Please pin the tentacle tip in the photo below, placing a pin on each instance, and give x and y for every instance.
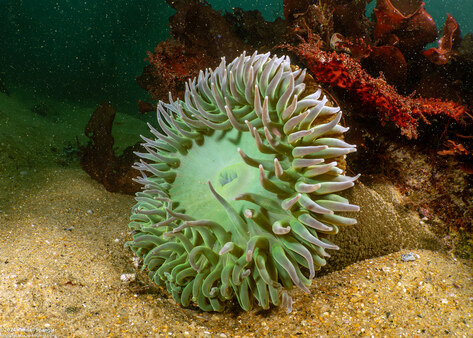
(238, 197)
(249, 255)
(248, 213)
(287, 303)
(304, 288)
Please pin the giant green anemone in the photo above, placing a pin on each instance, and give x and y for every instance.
(239, 186)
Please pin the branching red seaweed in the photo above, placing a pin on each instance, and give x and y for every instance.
(453, 149)
(375, 94)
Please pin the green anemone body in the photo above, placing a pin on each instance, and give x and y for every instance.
(240, 184)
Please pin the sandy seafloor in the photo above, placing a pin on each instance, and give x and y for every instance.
(62, 256)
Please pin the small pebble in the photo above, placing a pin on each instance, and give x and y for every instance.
(409, 257)
(128, 277)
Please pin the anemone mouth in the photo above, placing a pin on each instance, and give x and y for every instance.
(240, 186)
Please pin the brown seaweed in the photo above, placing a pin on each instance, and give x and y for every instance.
(98, 158)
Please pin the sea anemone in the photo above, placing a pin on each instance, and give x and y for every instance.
(240, 186)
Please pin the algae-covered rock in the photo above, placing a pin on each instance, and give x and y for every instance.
(384, 226)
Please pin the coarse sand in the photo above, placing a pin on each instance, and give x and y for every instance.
(63, 268)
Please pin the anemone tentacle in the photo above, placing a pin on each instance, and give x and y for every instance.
(240, 186)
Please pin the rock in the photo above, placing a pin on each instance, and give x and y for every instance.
(383, 227)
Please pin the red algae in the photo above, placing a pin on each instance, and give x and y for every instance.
(448, 43)
(404, 23)
(171, 64)
(341, 71)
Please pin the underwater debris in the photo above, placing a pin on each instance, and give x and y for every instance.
(98, 158)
